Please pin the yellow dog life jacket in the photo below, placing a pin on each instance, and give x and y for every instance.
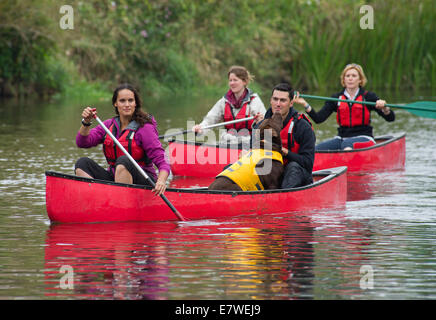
(243, 171)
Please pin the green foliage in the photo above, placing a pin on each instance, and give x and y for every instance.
(26, 50)
(165, 46)
(140, 45)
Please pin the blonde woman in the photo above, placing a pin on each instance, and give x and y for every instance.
(239, 102)
(353, 119)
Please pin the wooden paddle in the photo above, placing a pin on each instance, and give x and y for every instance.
(207, 127)
(173, 209)
(426, 109)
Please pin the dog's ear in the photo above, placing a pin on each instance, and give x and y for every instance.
(277, 120)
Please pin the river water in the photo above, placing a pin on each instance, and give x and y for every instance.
(380, 246)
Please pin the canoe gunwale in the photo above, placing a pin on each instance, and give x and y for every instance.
(328, 174)
(388, 139)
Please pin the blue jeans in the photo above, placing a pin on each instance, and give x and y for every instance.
(338, 143)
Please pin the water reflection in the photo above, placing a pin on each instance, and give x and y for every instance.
(365, 186)
(313, 255)
(252, 258)
(115, 261)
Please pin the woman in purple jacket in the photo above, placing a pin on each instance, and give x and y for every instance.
(136, 130)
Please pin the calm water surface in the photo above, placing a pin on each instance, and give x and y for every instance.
(387, 230)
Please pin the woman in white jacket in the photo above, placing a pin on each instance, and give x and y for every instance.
(238, 103)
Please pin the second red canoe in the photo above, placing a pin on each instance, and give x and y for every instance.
(207, 160)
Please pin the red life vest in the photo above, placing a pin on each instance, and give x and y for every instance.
(244, 112)
(287, 133)
(112, 152)
(352, 115)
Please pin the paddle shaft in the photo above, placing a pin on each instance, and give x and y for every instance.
(208, 127)
(173, 209)
(363, 102)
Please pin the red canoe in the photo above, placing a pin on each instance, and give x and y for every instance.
(75, 199)
(207, 160)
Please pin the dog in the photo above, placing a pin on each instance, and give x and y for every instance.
(262, 167)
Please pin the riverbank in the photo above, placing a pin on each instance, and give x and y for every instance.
(166, 47)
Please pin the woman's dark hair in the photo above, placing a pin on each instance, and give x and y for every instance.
(139, 116)
(286, 87)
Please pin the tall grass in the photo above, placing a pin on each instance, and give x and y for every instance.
(398, 53)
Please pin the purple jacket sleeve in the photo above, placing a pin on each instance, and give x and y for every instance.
(95, 136)
(148, 138)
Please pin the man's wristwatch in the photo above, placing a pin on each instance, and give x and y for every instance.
(307, 106)
(86, 124)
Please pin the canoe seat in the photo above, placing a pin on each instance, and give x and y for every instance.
(361, 145)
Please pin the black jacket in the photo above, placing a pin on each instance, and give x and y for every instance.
(346, 132)
(303, 135)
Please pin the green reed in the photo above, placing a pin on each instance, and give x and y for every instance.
(399, 52)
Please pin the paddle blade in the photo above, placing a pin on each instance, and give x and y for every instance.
(425, 109)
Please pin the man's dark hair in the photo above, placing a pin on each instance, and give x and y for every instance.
(284, 87)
